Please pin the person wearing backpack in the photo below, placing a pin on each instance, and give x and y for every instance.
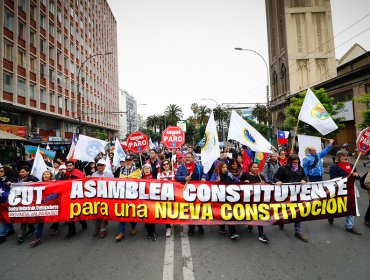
(271, 167)
(312, 163)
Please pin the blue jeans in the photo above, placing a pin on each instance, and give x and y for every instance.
(122, 227)
(298, 227)
(315, 178)
(39, 229)
(4, 228)
(350, 221)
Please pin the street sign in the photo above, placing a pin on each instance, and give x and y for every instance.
(137, 142)
(173, 137)
(363, 141)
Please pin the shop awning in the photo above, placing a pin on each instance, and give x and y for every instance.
(8, 136)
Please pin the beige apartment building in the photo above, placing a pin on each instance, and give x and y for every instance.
(59, 69)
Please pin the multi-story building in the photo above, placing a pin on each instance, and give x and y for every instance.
(51, 49)
(301, 49)
(128, 116)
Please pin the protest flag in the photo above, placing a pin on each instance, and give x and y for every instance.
(108, 165)
(306, 142)
(244, 133)
(39, 166)
(118, 154)
(73, 146)
(210, 147)
(313, 113)
(261, 159)
(248, 157)
(282, 137)
(87, 148)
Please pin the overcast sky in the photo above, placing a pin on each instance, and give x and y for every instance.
(180, 51)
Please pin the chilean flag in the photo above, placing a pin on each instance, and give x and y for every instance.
(282, 137)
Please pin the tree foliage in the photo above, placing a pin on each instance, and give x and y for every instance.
(260, 113)
(292, 112)
(364, 99)
(173, 114)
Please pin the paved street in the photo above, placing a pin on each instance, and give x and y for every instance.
(331, 253)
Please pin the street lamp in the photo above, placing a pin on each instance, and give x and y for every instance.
(221, 118)
(267, 83)
(79, 109)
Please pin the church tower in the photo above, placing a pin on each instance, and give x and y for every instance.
(301, 49)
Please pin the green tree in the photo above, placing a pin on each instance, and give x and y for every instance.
(195, 109)
(222, 117)
(294, 108)
(173, 113)
(260, 113)
(101, 134)
(364, 99)
(203, 114)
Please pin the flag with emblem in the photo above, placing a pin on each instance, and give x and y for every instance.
(39, 166)
(118, 154)
(209, 144)
(87, 148)
(313, 113)
(244, 133)
(73, 146)
(306, 142)
(261, 159)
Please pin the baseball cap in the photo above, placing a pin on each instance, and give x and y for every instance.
(179, 155)
(101, 162)
(129, 157)
(63, 166)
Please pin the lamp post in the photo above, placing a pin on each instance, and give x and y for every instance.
(267, 83)
(79, 109)
(221, 118)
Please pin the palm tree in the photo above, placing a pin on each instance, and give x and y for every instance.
(173, 113)
(260, 113)
(222, 116)
(151, 122)
(195, 109)
(203, 114)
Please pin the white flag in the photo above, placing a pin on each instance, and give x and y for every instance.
(39, 166)
(118, 154)
(244, 133)
(151, 145)
(313, 113)
(210, 146)
(87, 148)
(305, 142)
(73, 147)
(108, 166)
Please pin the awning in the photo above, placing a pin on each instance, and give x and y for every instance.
(8, 136)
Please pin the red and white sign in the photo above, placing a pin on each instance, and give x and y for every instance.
(363, 141)
(21, 131)
(173, 137)
(137, 142)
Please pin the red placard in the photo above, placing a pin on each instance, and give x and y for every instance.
(173, 137)
(137, 142)
(363, 141)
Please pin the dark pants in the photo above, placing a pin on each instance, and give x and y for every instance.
(72, 227)
(232, 229)
(315, 178)
(39, 229)
(192, 228)
(367, 215)
(151, 228)
(55, 226)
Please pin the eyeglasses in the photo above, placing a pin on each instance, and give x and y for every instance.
(2, 170)
(166, 163)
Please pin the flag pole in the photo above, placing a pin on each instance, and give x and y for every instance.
(354, 166)
(295, 134)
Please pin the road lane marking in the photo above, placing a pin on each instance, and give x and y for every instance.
(169, 253)
(187, 261)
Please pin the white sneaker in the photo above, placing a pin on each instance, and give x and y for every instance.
(168, 232)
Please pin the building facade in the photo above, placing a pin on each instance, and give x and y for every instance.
(128, 116)
(301, 49)
(59, 68)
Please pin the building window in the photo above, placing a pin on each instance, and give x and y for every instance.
(59, 79)
(59, 55)
(59, 15)
(71, 48)
(42, 21)
(8, 82)
(59, 36)
(8, 50)
(21, 30)
(8, 20)
(21, 5)
(60, 102)
(51, 7)
(43, 2)
(21, 57)
(51, 52)
(32, 91)
(21, 87)
(73, 106)
(66, 104)
(42, 95)
(32, 64)
(42, 46)
(32, 38)
(51, 75)
(42, 70)
(32, 11)
(51, 29)
(52, 98)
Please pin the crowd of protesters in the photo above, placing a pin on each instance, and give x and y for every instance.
(182, 165)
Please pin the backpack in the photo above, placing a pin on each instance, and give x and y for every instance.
(362, 182)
